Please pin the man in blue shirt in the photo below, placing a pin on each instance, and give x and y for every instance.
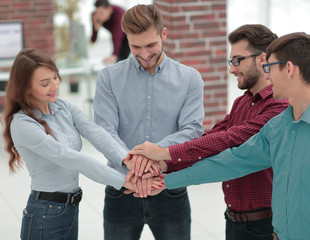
(148, 97)
(282, 143)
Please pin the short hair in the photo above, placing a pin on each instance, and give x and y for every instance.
(102, 3)
(258, 36)
(294, 47)
(141, 18)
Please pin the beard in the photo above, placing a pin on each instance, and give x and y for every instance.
(250, 78)
(156, 63)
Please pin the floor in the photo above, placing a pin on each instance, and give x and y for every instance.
(207, 201)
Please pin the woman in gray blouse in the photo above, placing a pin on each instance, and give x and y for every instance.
(45, 131)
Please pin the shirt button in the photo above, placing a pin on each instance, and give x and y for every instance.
(149, 97)
(199, 158)
(146, 136)
(252, 104)
(293, 132)
(229, 205)
(179, 159)
(227, 185)
(148, 117)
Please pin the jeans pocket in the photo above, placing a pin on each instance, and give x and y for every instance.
(26, 225)
(113, 193)
(261, 229)
(178, 192)
(55, 210)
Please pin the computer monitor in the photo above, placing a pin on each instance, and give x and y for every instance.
(12, 39)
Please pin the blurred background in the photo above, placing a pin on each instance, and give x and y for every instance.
(197, 36)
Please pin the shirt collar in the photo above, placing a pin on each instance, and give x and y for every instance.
(288, 115)
(264, 93)
(140, 68)
(53, 108)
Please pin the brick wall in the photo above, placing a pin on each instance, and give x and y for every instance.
(38, 28)
(37, 18)
(197, 38)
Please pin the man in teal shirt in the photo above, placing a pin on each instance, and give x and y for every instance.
(282, 143)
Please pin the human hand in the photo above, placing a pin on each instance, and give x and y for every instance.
(151, 169)
(139, 165)
(97, 23)
(152, 151)
(158, 185)
(146, 187)
(110, 60)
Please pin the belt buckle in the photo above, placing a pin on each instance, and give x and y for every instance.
(76, 197)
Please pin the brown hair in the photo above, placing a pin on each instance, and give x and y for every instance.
(294, 47)
(17, 98)
(141, 18)
(102, 3)
(258, 36)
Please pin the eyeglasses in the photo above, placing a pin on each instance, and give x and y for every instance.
(266, 66)
(236, 60)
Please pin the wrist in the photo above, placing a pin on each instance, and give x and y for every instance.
(167, 155)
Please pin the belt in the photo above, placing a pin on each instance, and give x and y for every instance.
(248, 216)
(74, 198)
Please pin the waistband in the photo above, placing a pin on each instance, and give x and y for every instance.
(259, 214)
(73, 198)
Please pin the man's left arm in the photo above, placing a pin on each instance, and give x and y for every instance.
(190, 121)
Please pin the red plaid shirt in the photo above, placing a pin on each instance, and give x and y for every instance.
(248, 115)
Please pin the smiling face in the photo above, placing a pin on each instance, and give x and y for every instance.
(147, 47)
(247, 72)
(44, 87)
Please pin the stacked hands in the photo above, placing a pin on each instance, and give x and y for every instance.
(145, 164)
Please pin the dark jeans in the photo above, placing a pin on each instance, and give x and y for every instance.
(167, 214)
(251, 230)
(124, 51)
(49, 220)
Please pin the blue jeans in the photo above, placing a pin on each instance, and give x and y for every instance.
(167, 214)
(251, 230)
(49, 220)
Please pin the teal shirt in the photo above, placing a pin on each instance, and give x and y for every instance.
(283, 144)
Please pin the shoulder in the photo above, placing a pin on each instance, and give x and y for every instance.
(277, 121)
(22, 124)
(182, 67)
(181, 72)
(118, 70)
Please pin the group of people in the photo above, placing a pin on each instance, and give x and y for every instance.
(148, 115)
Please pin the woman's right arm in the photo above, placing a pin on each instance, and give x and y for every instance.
(29, 135)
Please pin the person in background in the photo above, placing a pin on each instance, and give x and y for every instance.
(148, 97)
(283, 143)
(109, 17)
(248, 199)
(45, 131)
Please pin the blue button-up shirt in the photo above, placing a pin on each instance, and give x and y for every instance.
(283, 144)
(54, 162)
(165, 108)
